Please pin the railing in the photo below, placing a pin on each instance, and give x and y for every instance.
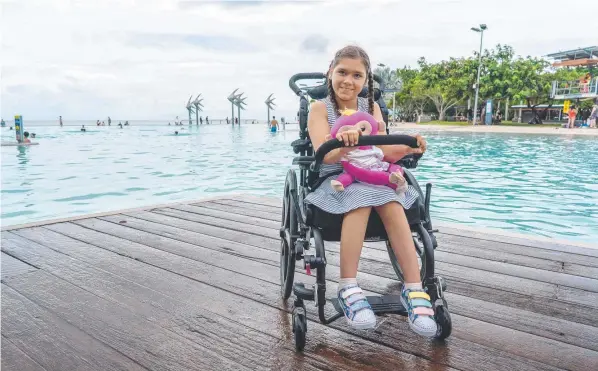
(575, 89)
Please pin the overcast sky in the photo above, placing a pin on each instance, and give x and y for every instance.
(142, 59)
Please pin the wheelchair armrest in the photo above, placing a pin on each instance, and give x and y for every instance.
(303, 161)
(300, 145)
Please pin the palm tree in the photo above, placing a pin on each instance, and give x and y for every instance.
(392, 83)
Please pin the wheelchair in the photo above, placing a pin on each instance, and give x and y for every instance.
(303, 222)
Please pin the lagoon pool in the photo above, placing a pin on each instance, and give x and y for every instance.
(543, 185)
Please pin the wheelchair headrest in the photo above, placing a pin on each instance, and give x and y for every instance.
(320, 92)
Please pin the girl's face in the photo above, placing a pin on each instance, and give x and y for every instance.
(348, 78)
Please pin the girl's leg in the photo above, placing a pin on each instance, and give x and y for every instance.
(399, 234)
(351, 298)
(352, 236)
(413, 297)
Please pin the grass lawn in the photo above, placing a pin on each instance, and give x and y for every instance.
(457, 123)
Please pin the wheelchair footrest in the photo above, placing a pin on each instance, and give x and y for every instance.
(380, 304)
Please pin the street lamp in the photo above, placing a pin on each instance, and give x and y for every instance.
(481, 30)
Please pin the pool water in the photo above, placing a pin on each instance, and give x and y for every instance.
(541, 185)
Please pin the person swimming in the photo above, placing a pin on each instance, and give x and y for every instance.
(26, 137)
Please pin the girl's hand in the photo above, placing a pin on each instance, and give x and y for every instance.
(381, 127)
(422, 146)
(421, 143)
(349, 137)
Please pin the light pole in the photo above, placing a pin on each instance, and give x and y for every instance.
(481, 30)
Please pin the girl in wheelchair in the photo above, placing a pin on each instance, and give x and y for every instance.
(348, 73)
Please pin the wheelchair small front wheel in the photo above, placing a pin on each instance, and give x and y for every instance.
(299, 327)
(444, 323)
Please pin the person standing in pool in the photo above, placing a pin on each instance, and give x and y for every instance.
(60, 119)
(26, 139)
(273, 124)
(201, 120)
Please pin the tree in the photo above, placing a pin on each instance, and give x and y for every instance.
(444, 83)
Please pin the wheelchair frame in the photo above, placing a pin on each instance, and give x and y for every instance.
(300, 224)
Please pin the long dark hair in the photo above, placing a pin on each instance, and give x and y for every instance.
(353, 52)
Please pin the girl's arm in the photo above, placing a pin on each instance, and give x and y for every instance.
(319, 132)
(393, 153)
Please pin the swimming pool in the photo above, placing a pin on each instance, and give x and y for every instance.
(544, 185)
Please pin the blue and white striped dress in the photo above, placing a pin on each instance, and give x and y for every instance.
(357, 194)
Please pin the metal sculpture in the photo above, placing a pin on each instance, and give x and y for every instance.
(189, 107)
(198, 108)
(236, 100)
(270, 104)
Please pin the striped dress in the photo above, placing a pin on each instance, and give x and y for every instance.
(357, 194)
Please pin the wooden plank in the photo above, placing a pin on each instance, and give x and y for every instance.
(514, 250)
(273, 274)
(543, 325)
(500, 263)
(140, 339)
(14, 359)
(248, 287)
(547, 245)
(503, 290)
(13, 267)
(482, 233)
(246, 205)
(256, 199)
(201, 326)
(584, 290)
(51, 343)
(119, 327)
(180, 304)
(218, 222)
(264, 215)
(252, 219)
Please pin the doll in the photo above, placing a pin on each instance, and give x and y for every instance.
(365, 163)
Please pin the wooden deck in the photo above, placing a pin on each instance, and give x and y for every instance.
(196, 287)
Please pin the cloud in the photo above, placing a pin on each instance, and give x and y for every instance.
(315, 43)
(134, 60)
(221, 43)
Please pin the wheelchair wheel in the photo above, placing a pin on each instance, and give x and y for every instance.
(299, 327)
(289, 229)
(419, 237)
